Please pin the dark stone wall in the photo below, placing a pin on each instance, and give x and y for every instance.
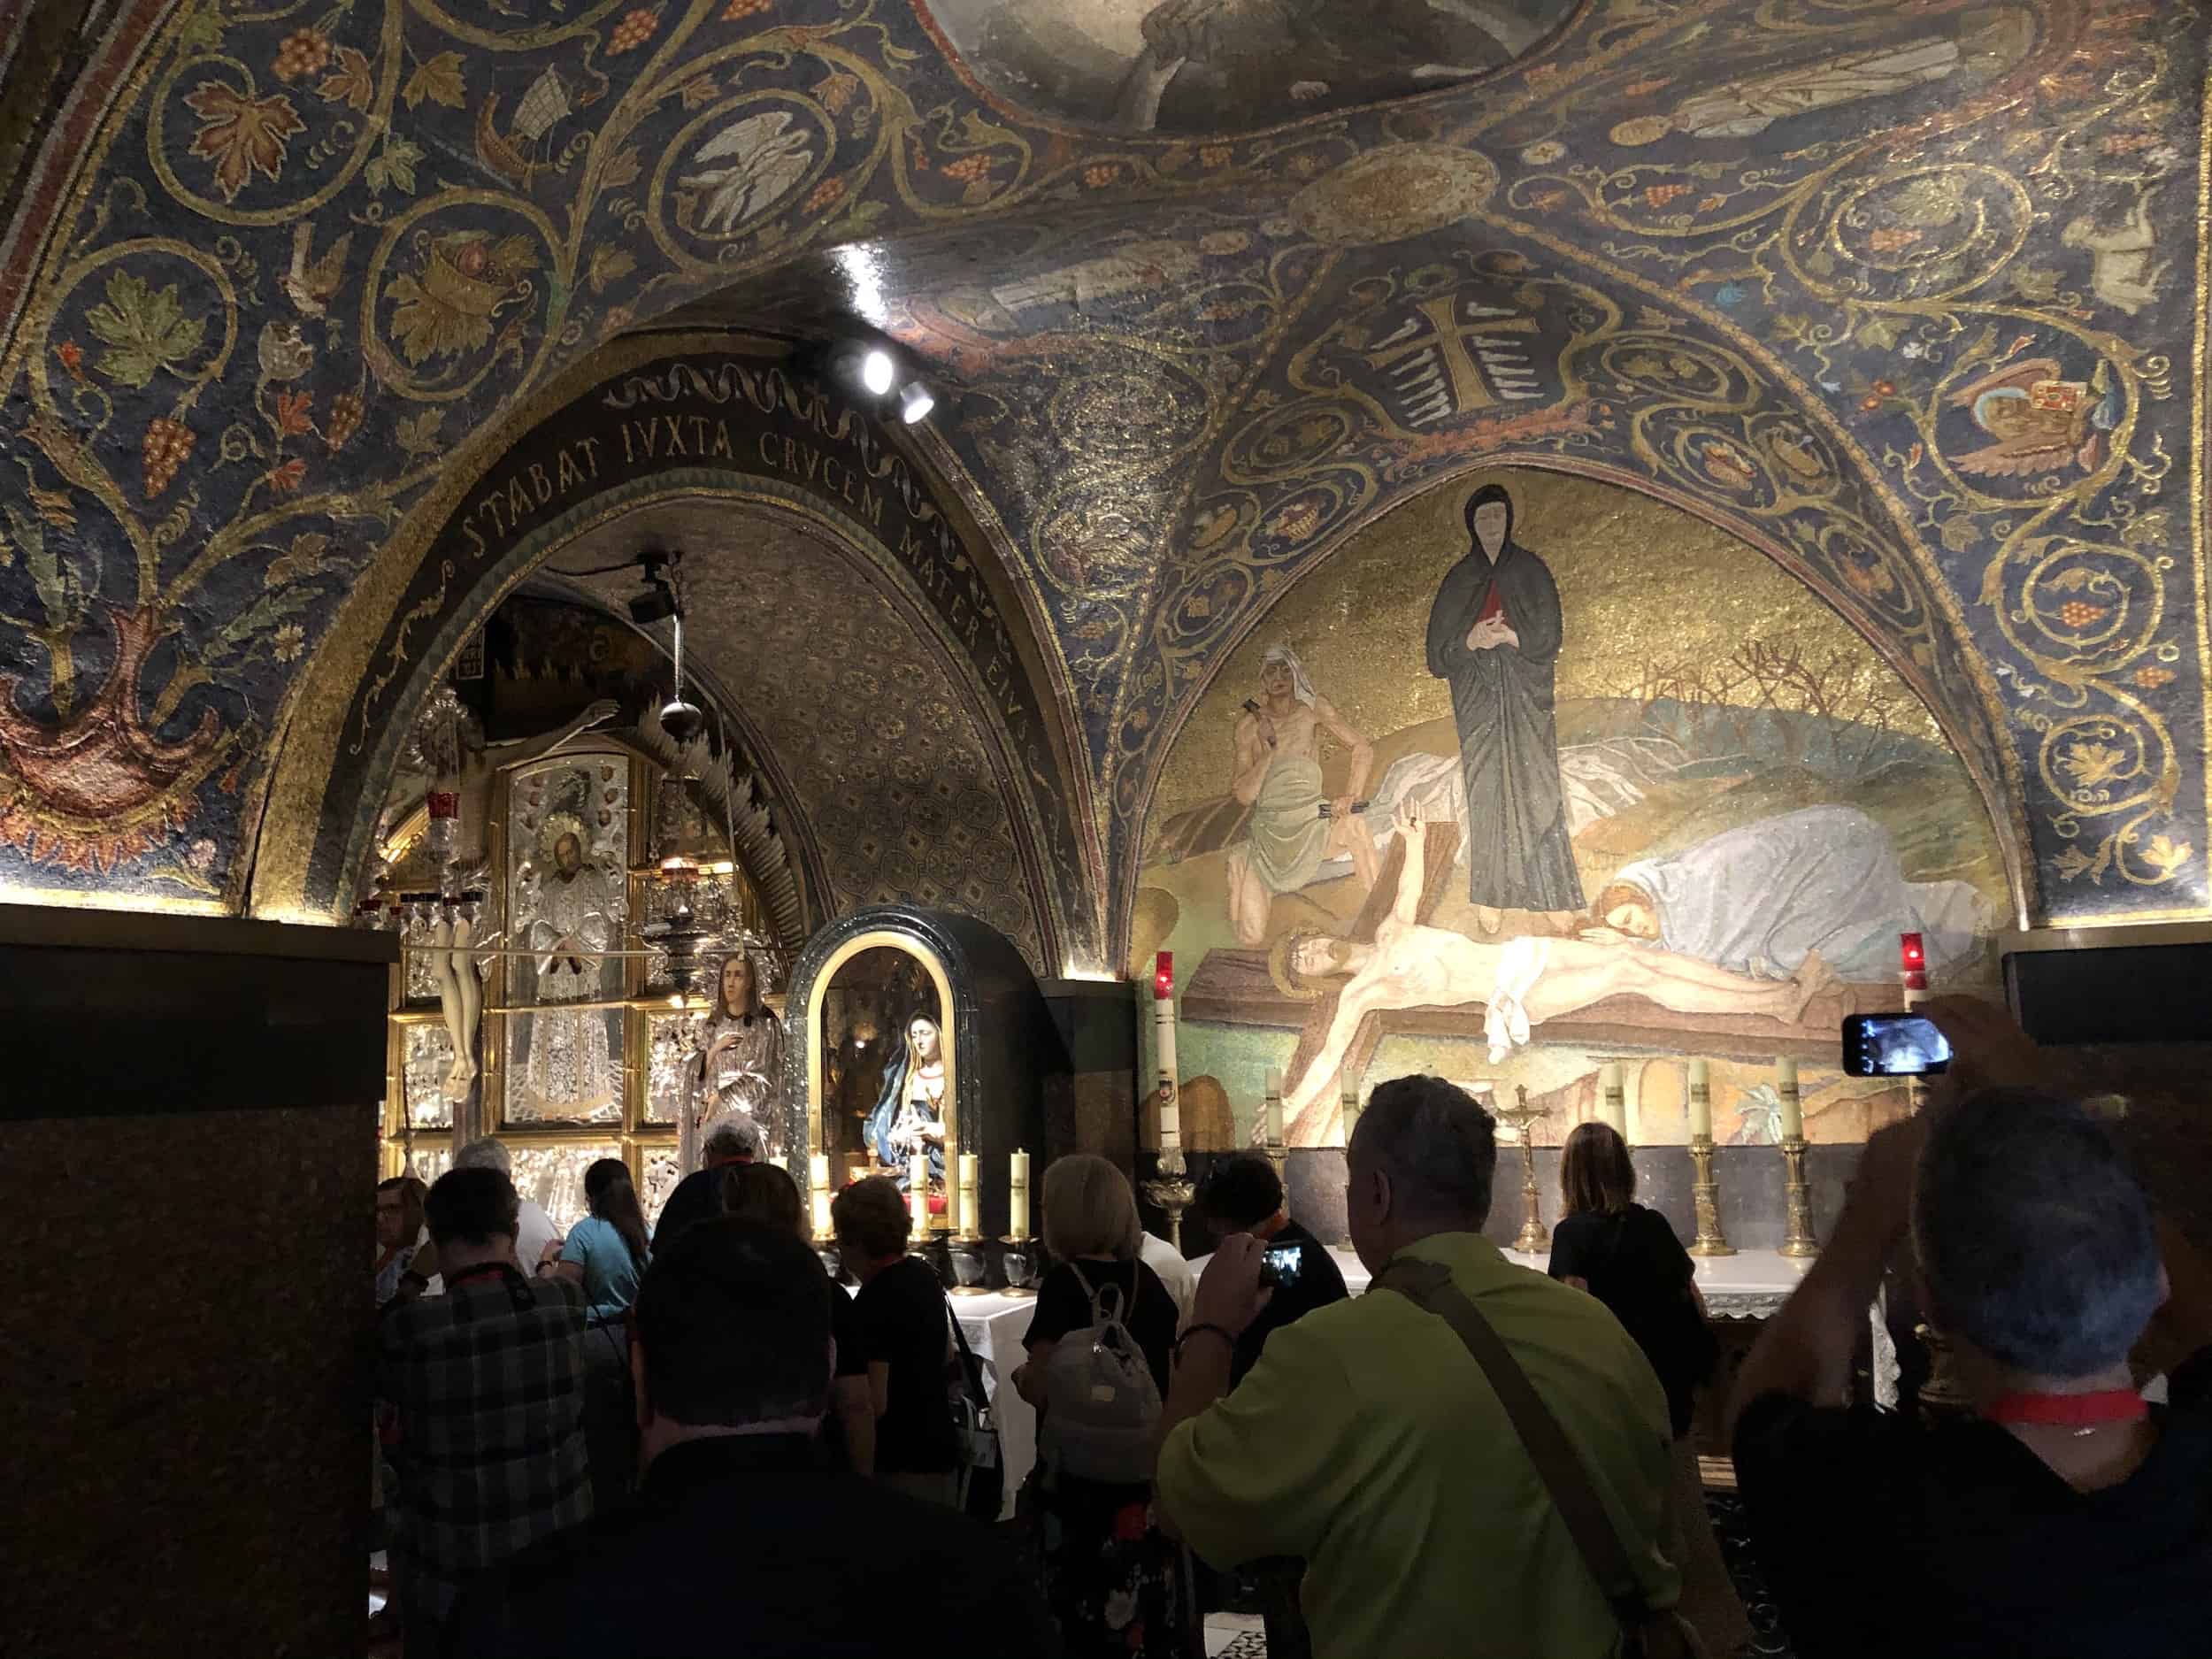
(188, 1152)
(1095, 1107)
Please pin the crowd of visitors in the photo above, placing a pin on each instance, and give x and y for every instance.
(1469, 1459)
(738, 1541)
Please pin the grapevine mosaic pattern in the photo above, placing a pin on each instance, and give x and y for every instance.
(1905, 293)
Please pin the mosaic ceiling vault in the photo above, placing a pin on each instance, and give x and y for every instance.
(859, 710)
(1907, 294)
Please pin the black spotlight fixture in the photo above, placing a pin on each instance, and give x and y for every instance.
(658, 603)
(874, 372)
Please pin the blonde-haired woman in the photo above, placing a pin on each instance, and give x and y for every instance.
(1111, 1578)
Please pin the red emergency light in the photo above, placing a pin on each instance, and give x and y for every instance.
(1912, 960)
(1164, 975)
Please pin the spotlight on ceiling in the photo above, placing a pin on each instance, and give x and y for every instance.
(657, 602)
(876, 371)
(915, 403)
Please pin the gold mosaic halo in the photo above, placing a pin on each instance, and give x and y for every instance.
(1280, 956)
(560, 824)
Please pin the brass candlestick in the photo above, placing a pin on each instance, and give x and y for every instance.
(1705, 1195)
(1532, 1238)
(1798, 1201)
(1171, 1189)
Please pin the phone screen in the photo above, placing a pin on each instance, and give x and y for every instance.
(1893, 1044)
(1284, 1263)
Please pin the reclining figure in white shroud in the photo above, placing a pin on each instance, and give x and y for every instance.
(1520, 982)
(1761, 898)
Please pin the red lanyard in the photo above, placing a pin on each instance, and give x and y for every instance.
(478, 1271)
(2070, 1411)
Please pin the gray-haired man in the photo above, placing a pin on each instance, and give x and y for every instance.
(1367, 1442)
(733, 1138)
(2066, 1519)
(537, 1239)
(535, 1233)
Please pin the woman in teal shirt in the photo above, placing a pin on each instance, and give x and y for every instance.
(605, 1252)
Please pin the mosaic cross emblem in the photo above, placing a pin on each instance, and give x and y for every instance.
(1454, 357)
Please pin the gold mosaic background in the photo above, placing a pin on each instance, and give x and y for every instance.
(1671, 626)
(1643, 586)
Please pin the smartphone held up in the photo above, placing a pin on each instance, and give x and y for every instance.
(1893, 1044)
(1281, 1265)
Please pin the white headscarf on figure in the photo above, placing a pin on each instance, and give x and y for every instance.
(1301, 686)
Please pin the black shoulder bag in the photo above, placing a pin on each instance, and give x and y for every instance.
(982, 1469)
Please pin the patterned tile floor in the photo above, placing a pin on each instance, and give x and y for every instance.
(1768, 1641)
(1234, 1636)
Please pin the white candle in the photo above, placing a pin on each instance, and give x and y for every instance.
(1018, 1196)
(818, 1183)
(1701, 1100)
(1274, 1120)
(917, 1190)
(1171, 1076)
(968, 1228)
(1614, 1107)
(1792, 1106)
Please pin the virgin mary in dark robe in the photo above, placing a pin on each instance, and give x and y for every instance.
(907, 1097)
(1518, 856)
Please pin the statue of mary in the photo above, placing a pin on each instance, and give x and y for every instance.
(909, 1114)
(740, 1064)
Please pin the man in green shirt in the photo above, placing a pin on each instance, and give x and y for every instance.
(1368, 1441)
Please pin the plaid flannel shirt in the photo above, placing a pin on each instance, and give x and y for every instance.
(488, 1385)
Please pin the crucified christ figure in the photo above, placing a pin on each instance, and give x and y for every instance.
(1520, 982)
(447, 757)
